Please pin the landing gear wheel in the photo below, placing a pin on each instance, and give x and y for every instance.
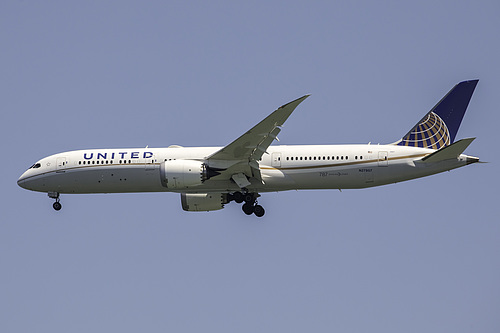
(55, 195)
(238, 197)
(258, 210)
(249, 198)
(248, 208)
(57, 205)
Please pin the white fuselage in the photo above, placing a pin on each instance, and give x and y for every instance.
(283, 168)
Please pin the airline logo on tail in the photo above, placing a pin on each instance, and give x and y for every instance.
(439, 127)
(429, 133)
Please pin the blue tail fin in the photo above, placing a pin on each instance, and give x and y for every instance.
(439, 126)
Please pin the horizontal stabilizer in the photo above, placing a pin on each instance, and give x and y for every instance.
(449, 152)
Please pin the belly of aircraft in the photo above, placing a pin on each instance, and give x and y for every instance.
(105, 180)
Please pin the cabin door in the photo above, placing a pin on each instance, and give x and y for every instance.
(61, 164)
(383, 159)
(276, 160)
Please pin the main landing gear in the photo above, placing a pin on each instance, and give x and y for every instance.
(250, 205)
(55, 195)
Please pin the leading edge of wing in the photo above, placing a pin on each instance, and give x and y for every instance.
(252, 145)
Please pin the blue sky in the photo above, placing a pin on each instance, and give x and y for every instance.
(413, 257)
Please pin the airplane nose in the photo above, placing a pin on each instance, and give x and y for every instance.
(21, 181)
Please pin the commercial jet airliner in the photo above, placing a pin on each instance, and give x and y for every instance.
(207, 178)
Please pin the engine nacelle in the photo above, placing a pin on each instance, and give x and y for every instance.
(203, 202)
(181, 174)
(184, 174)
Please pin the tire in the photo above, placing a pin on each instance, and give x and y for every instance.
(238, 197)
(57, 206)
(249, 198)
(248, 208)
(259, 211)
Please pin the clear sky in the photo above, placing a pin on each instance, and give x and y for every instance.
(420, 256)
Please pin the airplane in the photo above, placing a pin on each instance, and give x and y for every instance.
(208, 178)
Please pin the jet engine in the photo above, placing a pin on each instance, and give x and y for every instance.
(184, 174)
(202, 202)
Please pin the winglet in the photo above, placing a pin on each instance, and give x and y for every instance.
(449, 152)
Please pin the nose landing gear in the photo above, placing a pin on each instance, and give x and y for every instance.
(55, 195)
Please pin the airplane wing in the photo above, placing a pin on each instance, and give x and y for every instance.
(240, 158)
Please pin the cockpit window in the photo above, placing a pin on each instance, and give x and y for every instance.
(35, 166)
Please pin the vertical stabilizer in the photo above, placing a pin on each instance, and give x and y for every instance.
(439, 127)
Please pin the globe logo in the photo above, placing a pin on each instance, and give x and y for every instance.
(431, 132)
